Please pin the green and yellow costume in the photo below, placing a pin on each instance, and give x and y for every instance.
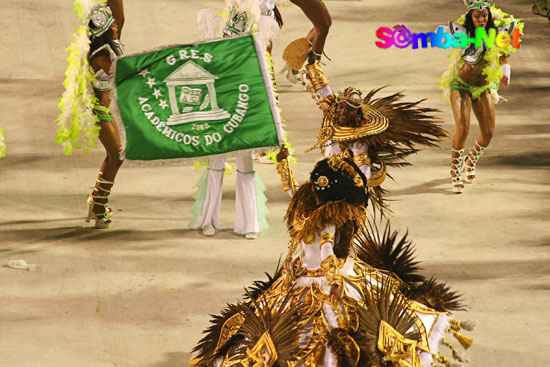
(451, 81)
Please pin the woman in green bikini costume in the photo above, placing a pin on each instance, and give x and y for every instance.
(472, 81)
(105, 47)
(84, 106)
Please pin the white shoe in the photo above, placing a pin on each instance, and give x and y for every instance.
(288, 72)
(251, 236)
(264, 159)
(457, 164)
(209, 230)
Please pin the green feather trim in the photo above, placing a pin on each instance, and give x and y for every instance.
(261, 199)
(199, 197)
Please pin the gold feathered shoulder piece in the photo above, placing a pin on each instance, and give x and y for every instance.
(391, 128)
(409, 126)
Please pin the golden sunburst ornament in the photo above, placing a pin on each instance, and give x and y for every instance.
(322, 182)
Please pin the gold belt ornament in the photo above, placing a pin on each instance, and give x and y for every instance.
(263, 354)
(379, 176)
(396, 348)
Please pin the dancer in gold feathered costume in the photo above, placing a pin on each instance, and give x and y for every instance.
(346, 294)
(376, 132)
(336, 301)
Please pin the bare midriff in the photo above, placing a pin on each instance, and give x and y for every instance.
(472, 73)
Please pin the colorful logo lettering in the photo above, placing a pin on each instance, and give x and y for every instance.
(401, 37)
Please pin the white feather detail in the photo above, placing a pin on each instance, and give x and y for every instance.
(86, 6)
(251, 7)
(426, 359)
(268, 28)
(468, 325)
(306, 282)
(437, 333)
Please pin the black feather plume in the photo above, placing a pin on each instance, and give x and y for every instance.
(436, 295)
(386, 252)
(258, 287)
(280, 319)
(344, 347)
(206, 348)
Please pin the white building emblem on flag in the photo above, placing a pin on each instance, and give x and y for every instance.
(189, 80)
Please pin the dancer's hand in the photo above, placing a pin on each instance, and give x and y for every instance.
(283, 154)
(504, 81)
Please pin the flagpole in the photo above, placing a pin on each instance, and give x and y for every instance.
(260, 50)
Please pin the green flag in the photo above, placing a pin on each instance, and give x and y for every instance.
(192, 101)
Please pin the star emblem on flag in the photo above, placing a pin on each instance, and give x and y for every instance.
(157, 93)
(151, 82)
(144, 72)
(163, 104)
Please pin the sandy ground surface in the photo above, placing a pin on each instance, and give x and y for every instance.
(140, 293)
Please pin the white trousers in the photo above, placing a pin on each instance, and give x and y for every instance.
(246, 211)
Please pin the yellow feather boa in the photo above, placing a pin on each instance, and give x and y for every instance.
(76, 124)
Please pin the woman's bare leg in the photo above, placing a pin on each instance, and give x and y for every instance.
(461, 104)
(484, 110)
(110, 138)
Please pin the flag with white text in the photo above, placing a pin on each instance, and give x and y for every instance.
(199, 100)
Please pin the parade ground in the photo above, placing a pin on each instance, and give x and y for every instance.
(140, 294)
